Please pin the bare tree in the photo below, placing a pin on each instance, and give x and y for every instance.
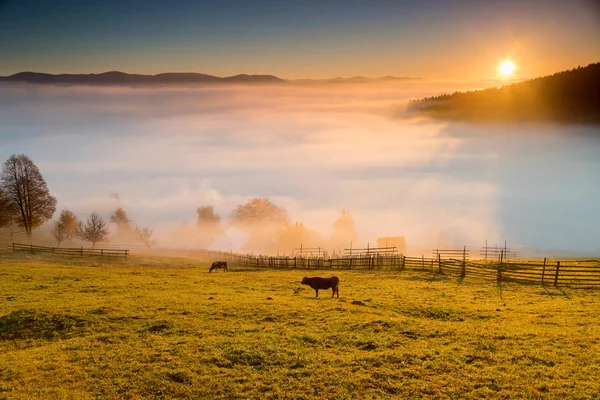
(70, 224)
(145, 236)
(7, 210)
(94, 230)
(27, 192)
(59, 231)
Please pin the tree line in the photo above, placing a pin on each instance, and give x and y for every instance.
(26, 202)
(269, 229)
(567, 96)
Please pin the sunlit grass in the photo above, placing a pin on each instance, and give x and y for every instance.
(153, 327)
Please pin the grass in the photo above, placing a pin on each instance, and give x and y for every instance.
(163, 327)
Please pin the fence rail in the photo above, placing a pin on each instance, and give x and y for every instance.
(76, 251)
(369, 251)
(9, 236)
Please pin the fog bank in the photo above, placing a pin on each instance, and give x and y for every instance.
(313, 151)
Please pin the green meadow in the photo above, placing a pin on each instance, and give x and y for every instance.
(163, 327)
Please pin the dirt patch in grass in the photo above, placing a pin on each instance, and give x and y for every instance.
(179, 377)
(438, 313)
(31, 324)
(99, 311)
(160, 326)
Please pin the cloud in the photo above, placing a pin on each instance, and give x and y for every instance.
(312, 150)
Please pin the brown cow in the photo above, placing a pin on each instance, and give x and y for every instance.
(218, 265)
(323, 283)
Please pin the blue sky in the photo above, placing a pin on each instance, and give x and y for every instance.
(460, 40)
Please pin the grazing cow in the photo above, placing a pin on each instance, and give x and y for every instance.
(218, 265)
(323, 283)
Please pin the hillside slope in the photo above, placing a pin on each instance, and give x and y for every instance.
(568, 96)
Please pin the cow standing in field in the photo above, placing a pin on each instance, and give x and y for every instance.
(323, 283)
(218, 265)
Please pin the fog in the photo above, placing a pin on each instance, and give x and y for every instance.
(315, 151)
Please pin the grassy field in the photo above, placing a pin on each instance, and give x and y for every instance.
(163, 327)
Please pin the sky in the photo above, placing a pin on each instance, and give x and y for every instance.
(442, 40)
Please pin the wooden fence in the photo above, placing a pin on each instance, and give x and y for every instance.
(77, 251)
(493, 252)
(7, 236)
(564, 273)
(371, 251)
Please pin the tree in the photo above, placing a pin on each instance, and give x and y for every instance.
(292, 236)
(259, 210)
(207, 216)
(208, 226)
(260, 219)
(145, 236)
(7, 211)
(120, 218)
(27, 192)
(344, 230)
(344, 223)
(70, 224)
(94, 230)
(59, 231)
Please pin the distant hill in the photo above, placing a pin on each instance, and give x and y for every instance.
(354, 80)
(176, 78)
(121, 78)
(569, 96)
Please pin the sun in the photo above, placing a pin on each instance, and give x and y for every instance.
(506, 68)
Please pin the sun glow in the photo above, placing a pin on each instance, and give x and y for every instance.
(506, 68)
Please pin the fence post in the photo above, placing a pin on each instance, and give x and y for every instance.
(439, 263)
(295, 263)
(351, 261)
(543, 271)
(499, 278)
(81, 251)
(556, 276)
(403, 261)
(102, 253)
(486, 249)
(422, 261)
(463, 270)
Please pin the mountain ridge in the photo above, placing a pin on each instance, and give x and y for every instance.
(118, 78)
(169, 78)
